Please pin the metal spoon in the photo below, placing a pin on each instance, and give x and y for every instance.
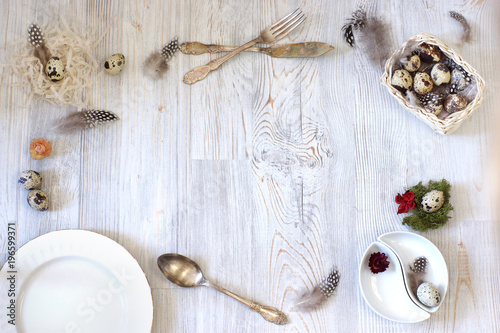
(186, 273)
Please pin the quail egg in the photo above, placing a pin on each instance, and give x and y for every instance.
(458, 81)
(413, 63)
(30, 180)
(440, 74)
(434, 108)
(432, 201)
(428, 294)
(55, 69)
(38, 200)
(430, 53)
(454, 103)
(114, 64)
(401, 80)
(422, 83)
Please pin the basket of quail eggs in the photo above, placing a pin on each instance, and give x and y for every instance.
(432, 81)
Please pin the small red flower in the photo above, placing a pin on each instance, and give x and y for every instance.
(378, 262)
(406, 202)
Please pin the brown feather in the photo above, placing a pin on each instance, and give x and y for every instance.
(313, 299)
(443, 89)
(417, 273)
(155, 65)
(469, 92)
(466, 33)
(426, 67)
(356, 21)
(443, 114)
(373, 40)
(310, 300)
(414, 280)
(37, 40)
(83, 120)
(412, 99)
(42, 53)
(72, 122)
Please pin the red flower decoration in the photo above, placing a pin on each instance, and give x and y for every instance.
(378, 262)
(406, 202)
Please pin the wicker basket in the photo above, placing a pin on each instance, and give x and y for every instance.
(452, 122)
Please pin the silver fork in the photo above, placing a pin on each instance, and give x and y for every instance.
(270, 35)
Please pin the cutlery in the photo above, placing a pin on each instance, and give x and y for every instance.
(186, 273)
(297, 50)
(270, 35)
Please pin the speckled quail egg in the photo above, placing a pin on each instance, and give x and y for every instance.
(413, 63)
(428, 294)
(440, 74)
(55, 69)
(458, 81)
(114, 64)
(422, 83)
(454, 103)
(38, 200)
(430, 53)
(432, 201)
(401, 80)
(434, 108)
(30, 180)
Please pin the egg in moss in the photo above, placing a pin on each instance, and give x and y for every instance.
(433, 201)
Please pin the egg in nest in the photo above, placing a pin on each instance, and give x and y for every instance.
(55, 69)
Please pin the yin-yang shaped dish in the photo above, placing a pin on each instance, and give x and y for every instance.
(390, 293)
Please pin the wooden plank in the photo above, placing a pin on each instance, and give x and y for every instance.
(270, 171)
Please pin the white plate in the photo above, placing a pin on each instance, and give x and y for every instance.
(408, 246)
(77, 281)
(385, 292)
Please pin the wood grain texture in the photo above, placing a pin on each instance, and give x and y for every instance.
(269, 172)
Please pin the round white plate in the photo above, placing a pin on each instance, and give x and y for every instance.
(77, 281)
(408, 246)
(385, 292)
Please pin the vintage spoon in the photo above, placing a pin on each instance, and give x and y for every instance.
(186, 273)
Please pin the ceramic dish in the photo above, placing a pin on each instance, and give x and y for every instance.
(77, 281)
(392, 294)
(408, 246)
(385, 292)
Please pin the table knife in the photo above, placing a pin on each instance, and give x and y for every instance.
(297, 50)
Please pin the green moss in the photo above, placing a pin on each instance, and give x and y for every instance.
(422, 221)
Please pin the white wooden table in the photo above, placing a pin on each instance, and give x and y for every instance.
(270, 171)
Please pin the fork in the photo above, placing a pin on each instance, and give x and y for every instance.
(270, 35)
